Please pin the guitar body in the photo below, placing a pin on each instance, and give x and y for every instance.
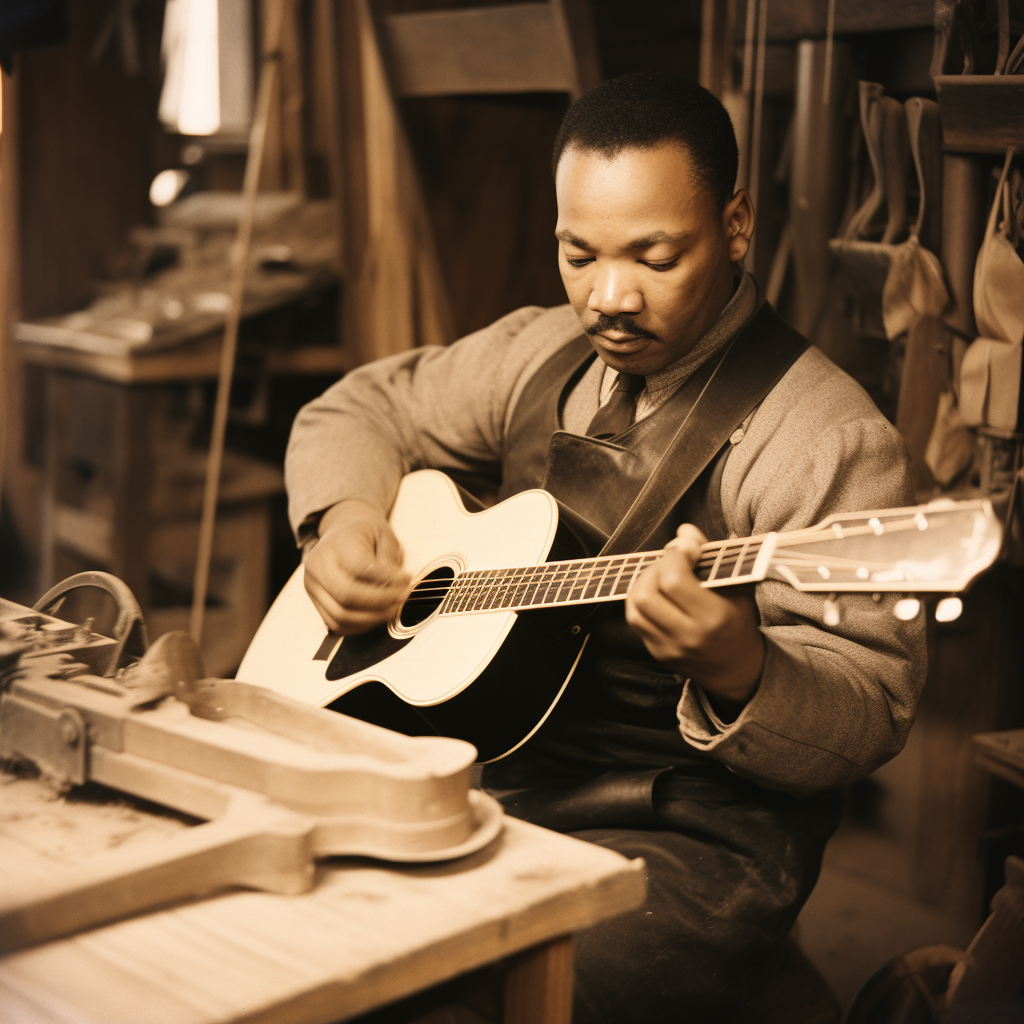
(416, 676)
(498, 581)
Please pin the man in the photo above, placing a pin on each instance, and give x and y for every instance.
(703, 731)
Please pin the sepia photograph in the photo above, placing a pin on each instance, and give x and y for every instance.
(511, 511)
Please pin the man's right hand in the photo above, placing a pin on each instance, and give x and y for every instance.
(354, 573)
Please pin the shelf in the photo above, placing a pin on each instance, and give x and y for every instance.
(981, 113)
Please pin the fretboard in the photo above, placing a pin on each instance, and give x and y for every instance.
(590, 580)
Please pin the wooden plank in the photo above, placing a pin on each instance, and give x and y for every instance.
(717, 35)
(1007, 747)
(195, 360)
(789, 20)
(981, 113)
(514, 48)
(538, 985)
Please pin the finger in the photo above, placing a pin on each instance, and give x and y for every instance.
(340, 563)
(380, 572)
(388, 549)
(346, 621)
(688, 540)
(673, 576)
(663, 646)
(356, 595)
(661, 619)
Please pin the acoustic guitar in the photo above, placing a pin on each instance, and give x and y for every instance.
(492, 631)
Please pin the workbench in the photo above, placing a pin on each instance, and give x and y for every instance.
(367, 935)
(116, 495)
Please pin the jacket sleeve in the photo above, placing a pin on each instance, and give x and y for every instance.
(435, 407)
(833, 704)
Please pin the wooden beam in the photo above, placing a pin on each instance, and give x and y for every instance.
(789, 20)
(516, 48)
(981, 113)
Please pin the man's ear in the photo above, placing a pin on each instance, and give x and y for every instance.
(738, 221)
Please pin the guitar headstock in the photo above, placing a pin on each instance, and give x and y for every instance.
(939, 547)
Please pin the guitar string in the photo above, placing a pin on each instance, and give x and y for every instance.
(463, 582)
(585, 575)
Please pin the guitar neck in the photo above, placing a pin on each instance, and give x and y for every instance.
(592, 580)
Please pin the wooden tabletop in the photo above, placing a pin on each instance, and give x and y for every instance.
(197, 359)
(366, 935)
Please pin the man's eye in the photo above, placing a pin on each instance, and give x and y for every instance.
(579, 261)
(661, 266)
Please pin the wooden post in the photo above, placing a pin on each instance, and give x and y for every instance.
(717, 28)
(818, 177)
(963, 226)
(402, 301)
(284, 165)
(132, 484)
(538, 985)
(10, 248)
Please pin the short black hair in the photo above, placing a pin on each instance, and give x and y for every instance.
(643, 109)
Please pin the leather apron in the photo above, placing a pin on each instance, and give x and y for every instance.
(615, 729)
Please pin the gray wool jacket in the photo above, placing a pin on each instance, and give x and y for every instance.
(833, 704)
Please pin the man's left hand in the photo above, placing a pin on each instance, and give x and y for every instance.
(699, 633)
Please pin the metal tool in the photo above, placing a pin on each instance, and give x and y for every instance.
(277, 783)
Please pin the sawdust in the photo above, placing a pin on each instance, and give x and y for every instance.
(84, 821)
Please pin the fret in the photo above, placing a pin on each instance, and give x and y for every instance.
(572, 571)
(484, 592)
(739, 558)
(624, 577)
(502, 581)
(611, 572)
(455, 595)
(749, 560)
(641, 564)
(579, 584)
(477, 591)
(713, 574)
(508, 592)
(523, 584)
(544, 586)
(594, 583)
(568, 577)
(468, 592)
(473, 589)
(449, 599)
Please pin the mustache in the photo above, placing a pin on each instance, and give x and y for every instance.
(622, 323)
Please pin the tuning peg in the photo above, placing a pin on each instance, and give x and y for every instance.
(906, 608)
(949, 609)
(831, 611)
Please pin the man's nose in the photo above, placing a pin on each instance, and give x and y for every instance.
(615, 291)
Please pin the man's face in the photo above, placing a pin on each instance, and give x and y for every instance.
(644, 252)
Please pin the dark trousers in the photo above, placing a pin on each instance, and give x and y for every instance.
(729, 865)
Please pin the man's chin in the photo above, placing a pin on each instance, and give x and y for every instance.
(642, 357)
(623, 347)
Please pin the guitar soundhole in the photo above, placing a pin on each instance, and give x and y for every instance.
(426, 596)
